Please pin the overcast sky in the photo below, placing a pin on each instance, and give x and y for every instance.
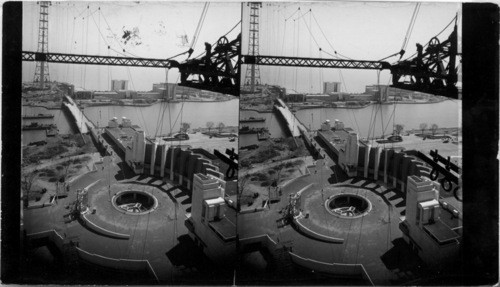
(358, 30)
(156, 31)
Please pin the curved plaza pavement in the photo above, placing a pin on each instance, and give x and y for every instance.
(158, 238)
(372, 240)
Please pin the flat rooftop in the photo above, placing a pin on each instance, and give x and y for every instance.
(226, 227)
(124, 135)
(336, 135)
(441, 232)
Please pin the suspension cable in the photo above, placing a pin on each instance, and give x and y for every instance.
(200, 25)
(410, 27)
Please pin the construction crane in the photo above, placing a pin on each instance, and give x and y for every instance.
(215, 70)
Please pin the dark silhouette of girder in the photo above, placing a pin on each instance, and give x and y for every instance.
(432, 70)
(217, 70)
(314, 62)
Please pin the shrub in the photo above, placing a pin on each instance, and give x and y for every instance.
(260, 176)
(245, 163)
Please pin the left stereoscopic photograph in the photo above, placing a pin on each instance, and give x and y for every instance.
(129, 142)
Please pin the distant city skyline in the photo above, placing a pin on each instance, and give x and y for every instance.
(145, 29)
(357, 30)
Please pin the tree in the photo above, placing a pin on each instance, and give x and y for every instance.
(210, 125)
(27, 179)
(423, 126)
(434, 128)
(243, 182)
(399, 128)
(185, 127)
(220, 126)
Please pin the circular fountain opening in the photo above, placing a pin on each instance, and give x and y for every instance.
(134, 202)
(348, 205)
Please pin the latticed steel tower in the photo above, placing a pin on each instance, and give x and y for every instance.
(252, 75)
(42, 67)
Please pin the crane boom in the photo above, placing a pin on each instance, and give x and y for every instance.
(97, 60)
(314, 62)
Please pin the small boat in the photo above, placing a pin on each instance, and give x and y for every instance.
(177, 137)
(252, 119)
(51, 132)
(38, 143)
(232, 139)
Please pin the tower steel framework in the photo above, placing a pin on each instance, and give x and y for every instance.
(252, 75)
(42, 67)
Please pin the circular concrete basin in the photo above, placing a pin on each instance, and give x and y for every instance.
(134, 202)
(348, 205)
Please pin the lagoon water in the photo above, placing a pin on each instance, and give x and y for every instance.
(60, 119)
(374, 119)
(161, 118)
(444, 114)
(154, 119)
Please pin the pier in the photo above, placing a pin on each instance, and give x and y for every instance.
(79, 119)
(292, 123)
(294, 126)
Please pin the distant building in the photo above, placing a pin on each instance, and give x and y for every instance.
(294, 98)
(150, 95)
(361, 97)
(106, 95)
(83, 95)
(117, 85)
(331, 87)
(166, 90)
(127, 94)
(332, 97)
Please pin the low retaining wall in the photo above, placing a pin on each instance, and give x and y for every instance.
(315, 235)
(121, 264)
(52, 235)
(264, 239)
(103, 231)
(332, 268)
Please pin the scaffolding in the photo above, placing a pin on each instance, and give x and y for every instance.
(252, 76)
(42, 67)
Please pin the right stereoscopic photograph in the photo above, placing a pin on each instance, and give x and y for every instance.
(350, 143)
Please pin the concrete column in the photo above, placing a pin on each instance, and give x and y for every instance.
(385, 166)
(163, 159)
(377, 162)
(153, 158)
(172, 163)
(367, 160)
(181, 177)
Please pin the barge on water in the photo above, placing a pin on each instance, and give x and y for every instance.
(248, 130)
(37, 126)
(252, 120)
(39, 116)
